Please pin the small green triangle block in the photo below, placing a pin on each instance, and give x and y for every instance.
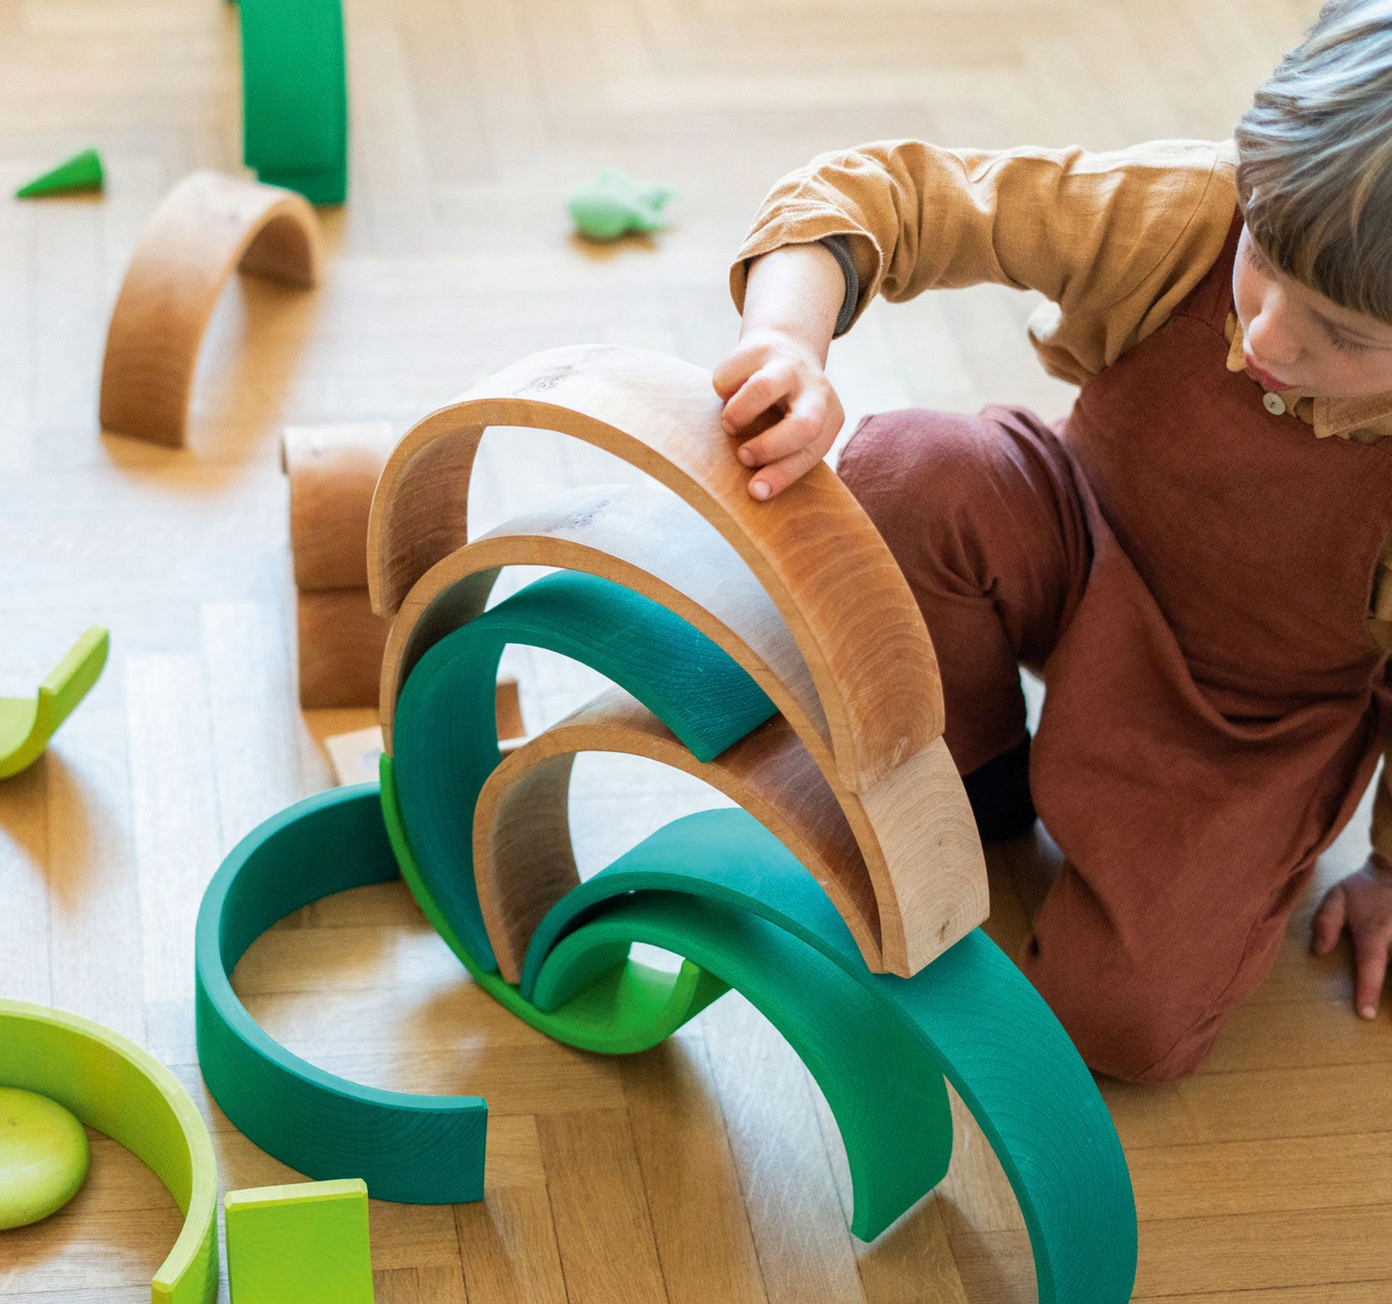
(78, 175)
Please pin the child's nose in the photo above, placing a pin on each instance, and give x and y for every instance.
(1272, 340)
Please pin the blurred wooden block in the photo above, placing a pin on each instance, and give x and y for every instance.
(207, 227)
(333, 471)
(341, 642)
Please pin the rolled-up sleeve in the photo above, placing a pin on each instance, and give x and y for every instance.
(1114, 239)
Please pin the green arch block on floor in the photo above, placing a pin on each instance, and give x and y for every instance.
(27, 723)
(295, 96)
(409, 1148)
(719, 890)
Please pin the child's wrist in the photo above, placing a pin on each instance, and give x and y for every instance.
(1381, 867)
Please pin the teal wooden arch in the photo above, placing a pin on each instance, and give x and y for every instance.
(716, 888)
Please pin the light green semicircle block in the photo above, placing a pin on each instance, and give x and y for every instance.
(112, 1085)
(27, 723)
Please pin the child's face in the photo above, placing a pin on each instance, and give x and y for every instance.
(1300, 338)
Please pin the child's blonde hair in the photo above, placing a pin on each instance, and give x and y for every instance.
(1314, 172)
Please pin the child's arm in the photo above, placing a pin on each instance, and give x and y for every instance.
(1113, 238)
(790, 309)
(1114, 241)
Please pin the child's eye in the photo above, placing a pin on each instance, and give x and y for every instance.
(1340, 343)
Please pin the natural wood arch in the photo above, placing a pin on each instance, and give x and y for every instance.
(206, 227)
(913, 876)
(849, 608)
(522, 832)
(625, 533)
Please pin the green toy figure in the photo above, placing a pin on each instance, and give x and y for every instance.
(613, 204)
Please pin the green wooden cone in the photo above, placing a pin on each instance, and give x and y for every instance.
(80, 174)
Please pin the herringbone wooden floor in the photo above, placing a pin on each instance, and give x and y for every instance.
(706, 1170)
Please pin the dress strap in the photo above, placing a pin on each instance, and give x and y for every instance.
(1211, 299)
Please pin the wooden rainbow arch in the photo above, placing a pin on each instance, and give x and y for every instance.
(853, 775)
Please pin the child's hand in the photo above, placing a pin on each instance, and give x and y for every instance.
(771, 369)
(1363, 904)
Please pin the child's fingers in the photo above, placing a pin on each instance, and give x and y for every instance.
(1372, 970)
(759, 393)
(777, 476)
(1329, 920)
(800, 427)
(731, 372)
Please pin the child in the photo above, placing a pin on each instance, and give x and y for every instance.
(1195, 558)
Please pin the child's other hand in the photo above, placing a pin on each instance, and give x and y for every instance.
(1362, 903)
(771, 369)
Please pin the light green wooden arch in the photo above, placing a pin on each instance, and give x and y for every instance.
(26, 724)
(114, 1086)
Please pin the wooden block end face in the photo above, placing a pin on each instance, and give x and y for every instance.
(300, 1244)
(333, 471)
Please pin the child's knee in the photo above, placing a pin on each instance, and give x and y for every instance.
(912, 467)
(1135, 1023)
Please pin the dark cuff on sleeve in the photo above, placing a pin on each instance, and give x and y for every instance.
(840, 246)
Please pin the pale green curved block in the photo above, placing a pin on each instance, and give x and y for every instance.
(613, 205)
(112, 1085)
(43, 1157)
(26, 724)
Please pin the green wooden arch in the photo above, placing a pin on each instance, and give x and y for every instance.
(110, 1084)
(718, 889)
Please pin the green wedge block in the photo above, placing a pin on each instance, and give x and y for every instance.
(77, 176)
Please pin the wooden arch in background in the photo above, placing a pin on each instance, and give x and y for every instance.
(206, 227)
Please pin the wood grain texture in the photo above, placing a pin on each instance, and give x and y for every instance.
(523, 859)
(332, 471)
(452, 260)
(207, 227)
(909, 878)
(341, 641)
(848, 607)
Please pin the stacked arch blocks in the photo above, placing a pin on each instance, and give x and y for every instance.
(771, 649)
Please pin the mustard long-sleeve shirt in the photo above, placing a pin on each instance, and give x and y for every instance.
(1114, 241)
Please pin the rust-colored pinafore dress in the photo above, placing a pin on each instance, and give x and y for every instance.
(1191, 574)
(1215, 705)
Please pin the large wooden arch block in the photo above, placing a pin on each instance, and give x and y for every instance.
(908, 873)
(804, 595)
(207, 227)
(848, 607)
